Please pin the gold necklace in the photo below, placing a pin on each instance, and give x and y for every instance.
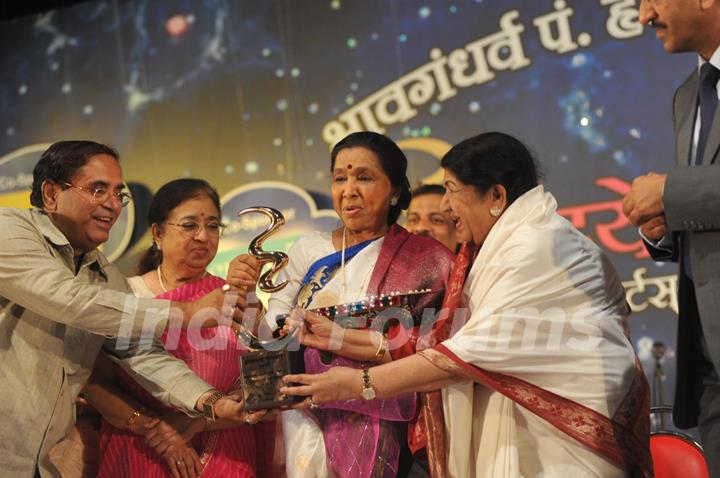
(160, 279)
(162, 285)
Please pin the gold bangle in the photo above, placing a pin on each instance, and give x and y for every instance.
(382, 347)
(131, 420)
(261, 311)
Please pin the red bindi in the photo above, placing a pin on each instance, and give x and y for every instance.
(349, 166)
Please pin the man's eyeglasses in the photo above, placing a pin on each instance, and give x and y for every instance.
(100, 194)
(191, 228)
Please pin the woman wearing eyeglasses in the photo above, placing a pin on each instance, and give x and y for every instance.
(140, 437)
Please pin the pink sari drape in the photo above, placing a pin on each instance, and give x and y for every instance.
(363, 439)
(225, 453)
(428, 430)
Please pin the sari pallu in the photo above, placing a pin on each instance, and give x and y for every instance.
(362, 438)
(223, 453)
(598, 398)
(427, 431)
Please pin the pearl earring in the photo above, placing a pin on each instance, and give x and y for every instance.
(495, 211)
(393, 201)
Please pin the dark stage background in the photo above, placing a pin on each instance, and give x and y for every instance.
(251, 95)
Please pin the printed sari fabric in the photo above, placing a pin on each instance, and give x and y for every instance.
(212, 353)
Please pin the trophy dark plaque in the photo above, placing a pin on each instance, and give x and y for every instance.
(262, 373)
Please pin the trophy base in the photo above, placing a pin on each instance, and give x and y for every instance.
(262, 372)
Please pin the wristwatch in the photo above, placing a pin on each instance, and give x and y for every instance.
(368, 392)
(209, 405)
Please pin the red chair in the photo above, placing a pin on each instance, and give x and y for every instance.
(676, 454)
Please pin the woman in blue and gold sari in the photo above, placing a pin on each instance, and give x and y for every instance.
(369, 255)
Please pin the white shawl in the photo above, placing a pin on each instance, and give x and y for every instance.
(545, 306)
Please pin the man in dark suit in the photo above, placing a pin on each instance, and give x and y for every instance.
(679, 213)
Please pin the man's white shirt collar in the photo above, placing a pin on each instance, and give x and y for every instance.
(714, 59)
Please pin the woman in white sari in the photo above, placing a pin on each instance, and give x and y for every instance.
(541, 380)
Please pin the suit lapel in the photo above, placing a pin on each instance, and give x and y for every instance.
(685, 112)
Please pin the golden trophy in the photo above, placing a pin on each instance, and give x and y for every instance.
(278, 259)
(262, 368)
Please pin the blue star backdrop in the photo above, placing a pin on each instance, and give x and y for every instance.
(243, 92)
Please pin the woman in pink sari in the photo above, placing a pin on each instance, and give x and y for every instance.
(139, 436)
